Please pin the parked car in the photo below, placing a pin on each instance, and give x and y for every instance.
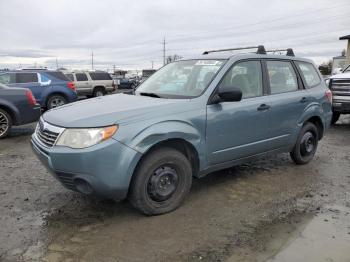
(190, 118)
(97, 83)
(50, 88)
(340, 86)
(17, 107)
(128, 83)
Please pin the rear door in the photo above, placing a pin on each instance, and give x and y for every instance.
(239, 129)
(288, 101)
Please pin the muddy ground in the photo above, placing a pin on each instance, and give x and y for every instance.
(269, 210)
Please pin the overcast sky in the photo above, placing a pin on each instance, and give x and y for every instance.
(129, 33)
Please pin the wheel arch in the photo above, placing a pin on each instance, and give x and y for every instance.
(49, 95)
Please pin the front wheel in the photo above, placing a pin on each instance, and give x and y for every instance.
(5, 123)
(56, 101)
(306, 145)
(161, 182)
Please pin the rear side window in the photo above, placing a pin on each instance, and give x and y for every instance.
(70, 77)
(282, 77)
(7, 78)
(58, 75)
(309, 73)
(100, 76)
(81, 77)
(26, 78)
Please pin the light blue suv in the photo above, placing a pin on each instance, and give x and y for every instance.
(188, 119)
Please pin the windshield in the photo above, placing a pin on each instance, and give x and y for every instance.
(181, 79)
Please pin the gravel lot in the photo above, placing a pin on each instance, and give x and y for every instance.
(247, 213)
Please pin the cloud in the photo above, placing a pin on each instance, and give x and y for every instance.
(129, 33)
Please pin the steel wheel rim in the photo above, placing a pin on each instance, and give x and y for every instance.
(307, 144)
(162, 184)
(56, 102)
(4, 124)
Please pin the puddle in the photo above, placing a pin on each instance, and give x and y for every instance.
(324, 236)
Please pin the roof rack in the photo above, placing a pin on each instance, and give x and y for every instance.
(289, 51)
(261, 49)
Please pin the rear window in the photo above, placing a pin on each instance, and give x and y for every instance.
(100, 76)
(26, 78)
(70, 77)
(81, 77)
(58, 75)
(309, 73)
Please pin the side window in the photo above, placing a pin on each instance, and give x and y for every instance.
(26, 78)
(247, 76)
(309, 73)
(70, 77)
(81, 77)
(7, 78)
(282, 77)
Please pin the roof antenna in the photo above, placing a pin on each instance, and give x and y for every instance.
(290, 52)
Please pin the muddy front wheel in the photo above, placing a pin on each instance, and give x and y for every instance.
(161, 182)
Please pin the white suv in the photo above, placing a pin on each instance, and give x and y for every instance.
(96, 83)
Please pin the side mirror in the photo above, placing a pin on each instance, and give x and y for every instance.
(229, 94)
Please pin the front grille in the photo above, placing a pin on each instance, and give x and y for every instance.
(47, 137)
(47, 134)
(340, 87)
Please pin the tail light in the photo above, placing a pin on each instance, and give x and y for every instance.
(71, 86)
(328, 94)
(31, 98)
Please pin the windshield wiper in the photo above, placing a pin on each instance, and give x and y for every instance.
(149, 94)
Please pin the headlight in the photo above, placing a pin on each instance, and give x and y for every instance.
(85, 137)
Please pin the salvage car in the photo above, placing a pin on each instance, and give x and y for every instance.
(340, 86)
(17, 107)
(50, 88)
(190, 118)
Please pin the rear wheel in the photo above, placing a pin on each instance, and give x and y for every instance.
(99, 91)
(335, 117)
(306, 145)
(5, 123)
(161, 182)
(56, 101)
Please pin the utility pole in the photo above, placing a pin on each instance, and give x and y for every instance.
(152, 64)
(164, 51)
(56, 63)
(113, 69)
(92, 60)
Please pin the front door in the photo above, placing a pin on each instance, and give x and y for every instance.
(239, 129)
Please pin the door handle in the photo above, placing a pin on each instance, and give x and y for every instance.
(304, 99)
(264, 107)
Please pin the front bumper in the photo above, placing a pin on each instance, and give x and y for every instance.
(341, 106)
(103, 170)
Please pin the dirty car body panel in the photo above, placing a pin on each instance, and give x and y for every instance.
(221, 134)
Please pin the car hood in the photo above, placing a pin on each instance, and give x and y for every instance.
(108, 110)
(341, 76)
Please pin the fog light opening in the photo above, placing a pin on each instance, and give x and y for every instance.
(83, 186)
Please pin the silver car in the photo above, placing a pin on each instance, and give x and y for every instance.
(96, 83)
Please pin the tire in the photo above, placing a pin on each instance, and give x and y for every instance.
(335, 117)
(161, 182)
(56, 101)
(306, 145)
(99, 91)
(5, 123)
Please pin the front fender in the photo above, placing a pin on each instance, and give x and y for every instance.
(165, 130)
